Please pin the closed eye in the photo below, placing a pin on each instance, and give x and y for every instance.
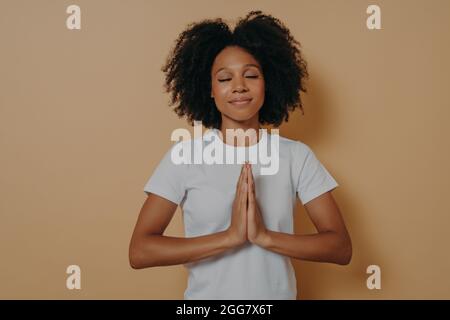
(252, 77)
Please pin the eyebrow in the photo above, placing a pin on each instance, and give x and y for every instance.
(246, 65)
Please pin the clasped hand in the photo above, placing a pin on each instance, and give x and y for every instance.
(246, 220)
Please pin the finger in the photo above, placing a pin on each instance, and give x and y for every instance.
(251, 201)
(245, 178)
(242, 184)
(251, 196)
(251, 188)
(243, 196)
(244, 181)
(240, 178)
(251, 182)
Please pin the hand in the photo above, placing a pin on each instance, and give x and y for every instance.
(238, 227)
(256, 230)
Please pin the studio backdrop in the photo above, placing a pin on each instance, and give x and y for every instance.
(84, 121)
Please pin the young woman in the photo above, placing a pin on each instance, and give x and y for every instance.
(238, 222)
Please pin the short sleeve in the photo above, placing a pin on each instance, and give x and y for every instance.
(314, 178)
(168, 179)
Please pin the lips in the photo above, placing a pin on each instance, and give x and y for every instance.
(240, 101)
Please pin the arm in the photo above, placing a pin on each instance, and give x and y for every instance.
(149, 248)
(331, 244)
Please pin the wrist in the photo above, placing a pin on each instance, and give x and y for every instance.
(232, 239)
(263, 239)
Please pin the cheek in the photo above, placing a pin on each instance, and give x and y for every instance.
(259, 91)
(220, 92)
(220, 97)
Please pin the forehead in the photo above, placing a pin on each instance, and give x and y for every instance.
(233, 58)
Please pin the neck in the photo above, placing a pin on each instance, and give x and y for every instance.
(231, 124)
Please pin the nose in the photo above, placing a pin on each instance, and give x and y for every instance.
(239, 85)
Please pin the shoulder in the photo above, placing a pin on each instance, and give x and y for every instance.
(296, 148)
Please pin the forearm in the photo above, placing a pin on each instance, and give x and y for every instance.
(158, 250)
(321, 247)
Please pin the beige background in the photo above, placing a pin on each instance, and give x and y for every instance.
(84, 121)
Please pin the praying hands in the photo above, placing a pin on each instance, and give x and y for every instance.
(246, 220)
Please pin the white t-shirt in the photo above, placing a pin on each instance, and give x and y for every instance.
(205, 192)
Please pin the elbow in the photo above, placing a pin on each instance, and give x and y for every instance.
(133, 260)
(345, 253)
(138, 258)
(134, 265)
(134, 257)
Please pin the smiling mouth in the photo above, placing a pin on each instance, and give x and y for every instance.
(240, 102)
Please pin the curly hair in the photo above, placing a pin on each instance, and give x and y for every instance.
(188, 67)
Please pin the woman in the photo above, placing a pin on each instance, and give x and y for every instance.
(238, 223)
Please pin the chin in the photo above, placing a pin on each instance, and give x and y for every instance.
(241, 117)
